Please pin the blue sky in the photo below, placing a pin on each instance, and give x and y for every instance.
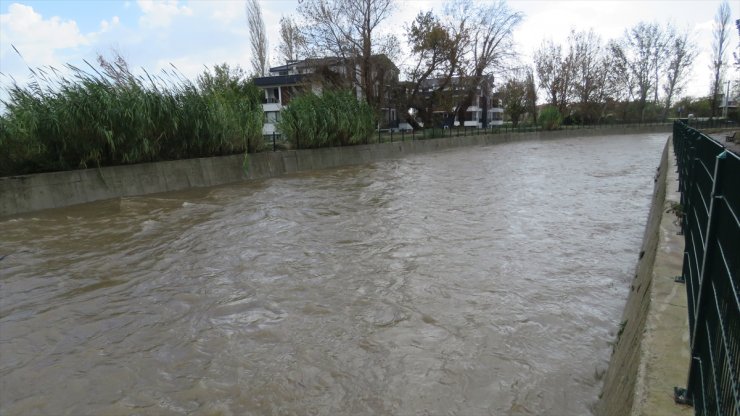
(193, 34)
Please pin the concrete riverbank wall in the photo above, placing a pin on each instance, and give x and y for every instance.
(28, 193)
(651, 352)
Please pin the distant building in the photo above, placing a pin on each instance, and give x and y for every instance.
(484, 111)
(314, 74)
(728, 104)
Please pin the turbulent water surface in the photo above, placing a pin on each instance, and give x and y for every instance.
(475, 281)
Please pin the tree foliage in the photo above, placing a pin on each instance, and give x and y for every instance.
(436, 48)
(489, 47)
(681, 54)
(554, 72)
(531, 94)
(636, 76)
(642, 51)
(470, 42)
(349, 29)
(257, 37)
(550, 118)
(514, 97)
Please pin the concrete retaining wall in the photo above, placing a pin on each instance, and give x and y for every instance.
(21, 194)
(651, 353)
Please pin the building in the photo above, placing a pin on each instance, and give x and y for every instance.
(727, 103)
(315, 74)
(484, 111)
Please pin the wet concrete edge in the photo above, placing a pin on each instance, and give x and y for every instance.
(29, 193)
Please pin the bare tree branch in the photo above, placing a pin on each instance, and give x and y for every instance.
(292, 42)
(349, 29)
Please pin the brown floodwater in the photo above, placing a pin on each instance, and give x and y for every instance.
(475, 281)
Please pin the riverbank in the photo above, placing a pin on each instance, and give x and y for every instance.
(28, 193)
(651, 353)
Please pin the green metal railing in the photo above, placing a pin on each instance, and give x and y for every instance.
(709, 181)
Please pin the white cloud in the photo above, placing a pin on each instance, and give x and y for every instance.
(159, 14)
(106, 26)
(226, 12)
(705, 26)
(37, 39)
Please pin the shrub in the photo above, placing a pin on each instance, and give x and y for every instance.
(550, 118)
(335, 118)
(108, 116)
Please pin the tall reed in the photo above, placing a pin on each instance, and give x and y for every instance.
(334, 118)
(106, 115)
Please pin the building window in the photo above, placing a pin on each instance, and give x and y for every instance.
(272, 117)
(471, 116)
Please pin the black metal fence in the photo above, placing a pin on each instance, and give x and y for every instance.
(276, 141)
(709, 181)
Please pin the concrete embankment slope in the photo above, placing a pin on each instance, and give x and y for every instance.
(21, 194)
(651, 353)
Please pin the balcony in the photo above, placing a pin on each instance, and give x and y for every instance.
(272, 107)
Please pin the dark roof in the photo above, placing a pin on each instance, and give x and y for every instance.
(307, 63)
(278, 80)
(325, 61)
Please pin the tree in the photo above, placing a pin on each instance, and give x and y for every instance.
(699, 107)
(554, 73)
(642, 50)
(736, 54)
(489, 47)
(619, 82)
(292, 42)
(436, 49)
(550, 118)
(719, 47)
(531, 95)
(681, 54)
(586, 57)
(348, 29)
(257, 37)
(514, 97)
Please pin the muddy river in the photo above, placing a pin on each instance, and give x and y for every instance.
(474, 281)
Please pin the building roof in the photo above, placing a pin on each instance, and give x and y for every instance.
(326, 61)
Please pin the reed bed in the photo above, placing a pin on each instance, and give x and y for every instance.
(335, 118)
(105, 115)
